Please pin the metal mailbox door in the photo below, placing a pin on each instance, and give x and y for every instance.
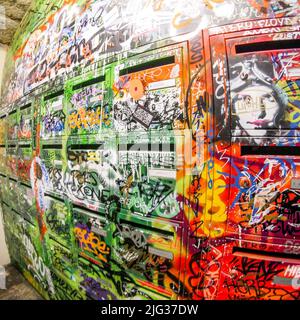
(12, 194)
(25, 122)
(261, 119)
(95, 281)
(13, 233)
(59, 222)
(12, 160)
(8, 218)
(62, 259)
(65, 288)
(12, 125)
(52, 157)
(149, 251)
(34, 257)
(24, 161)
(149, 91)
(149, 183)
(258, 271)
(53, 116)
(89, 105)
(27, 202)
(92, 236)
(90, 170)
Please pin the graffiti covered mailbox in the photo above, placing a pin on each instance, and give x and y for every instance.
(152, 151)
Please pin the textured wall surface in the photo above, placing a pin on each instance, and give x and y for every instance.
(150, 149)
(14, 11)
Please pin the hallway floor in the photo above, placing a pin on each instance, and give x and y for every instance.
(17, 287)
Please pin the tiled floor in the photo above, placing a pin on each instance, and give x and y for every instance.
(17, 287)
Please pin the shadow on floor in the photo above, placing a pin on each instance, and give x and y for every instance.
(17, 287)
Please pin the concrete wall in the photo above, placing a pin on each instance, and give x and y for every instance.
(4, 257)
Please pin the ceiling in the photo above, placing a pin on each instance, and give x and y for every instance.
(11, 14)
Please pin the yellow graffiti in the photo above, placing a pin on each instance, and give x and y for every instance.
(84, 118)
(178, 24)
(93, 156)
(211, 222)
(157, 4)
(89, 242)
(292, 91)
(51, 155)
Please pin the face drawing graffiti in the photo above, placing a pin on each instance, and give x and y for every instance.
(257, 103)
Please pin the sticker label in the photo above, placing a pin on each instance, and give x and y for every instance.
(162, 173)
(101, 232)
(57, 105)
(162, 84)
(96, 98)
(295, 184)
(161, 253)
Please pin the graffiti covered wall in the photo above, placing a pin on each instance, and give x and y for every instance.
(150, 150)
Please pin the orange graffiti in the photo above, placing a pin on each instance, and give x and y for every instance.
(89, 242)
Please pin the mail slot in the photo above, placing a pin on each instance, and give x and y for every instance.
(259, 274)
(148, 181)
(96, 281)
(53, 116)
(149, 91)
(27, 202)
(267, 206)
(263, 98)
(24, 162)
(92, 236)
(13, 222)
(62, 259)
(36, 259)
(149, 251)
(65, 288)
(52, 157)
(270, 150)
(59, 221)
(89, 107)
(25, 122)
(8, 217)
(13, 245)
(13, 226)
